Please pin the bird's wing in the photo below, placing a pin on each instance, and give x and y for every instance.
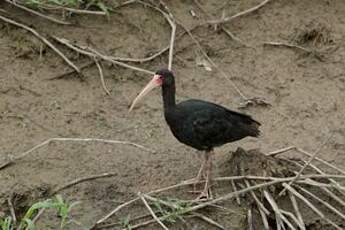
(211, 128)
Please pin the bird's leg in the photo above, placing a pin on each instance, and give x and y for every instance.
(206, 193)
(201, 175)
(201, 172)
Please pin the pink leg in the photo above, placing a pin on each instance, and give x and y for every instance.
(206, 193)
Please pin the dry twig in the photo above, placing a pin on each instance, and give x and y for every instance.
(307, 164)
(140, 225)
(329, 206)
(38, 215)
(72, 71)
(43, 39)
(170, 18)
(272, 181)
(262, 210)
(121, 222)
(308, 51)
(278, 215)
(258, 202)
(209, 220)
(227, 19)
(222, 27)
(12, 211)
(20, 6)
(293, 217)
(80, 180)
(335, 183)
(250, 219)
(58, 139)
(287, 149)
(72, 10)
(152, 213)
(212, 62)
(238, 200)
(94, 53)
(311, 206)
(298, 213)
(101, 76)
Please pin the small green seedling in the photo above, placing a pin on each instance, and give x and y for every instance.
(6, 223)
(62, 207)
(171, 208)
(126, 222)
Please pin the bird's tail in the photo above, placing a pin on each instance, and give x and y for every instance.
(253, 128)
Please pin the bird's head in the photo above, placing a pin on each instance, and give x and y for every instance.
(162, 77)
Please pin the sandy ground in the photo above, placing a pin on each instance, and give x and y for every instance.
(306, 93)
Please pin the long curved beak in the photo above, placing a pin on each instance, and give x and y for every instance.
(155, 82)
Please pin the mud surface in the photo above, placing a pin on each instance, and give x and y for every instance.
(305, 90)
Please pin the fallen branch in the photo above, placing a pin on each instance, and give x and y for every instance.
(195, 214)
(274, 205)
(80, 180)
(307, 164)
(152, 213)
(43, 39)
(72, 71)
(272, 181)
(87, 51)
(258, 202)
(170, 18)
(222, 27)
(58, 139)
(228, 19)
(308, 51)
(238, 200)
(209, 220)
(334, 184)
(140, 224)
(99, 67)
(311, 206)
(250, 219)
(262, 210)
(14, 3)
(297, 211)
(121, 222)
(38, 215)
(329, 206)
(12, 211)
(72, 10)
(293, 217)
(299, 150)
(213, 63)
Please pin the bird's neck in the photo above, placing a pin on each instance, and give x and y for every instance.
(168, 97)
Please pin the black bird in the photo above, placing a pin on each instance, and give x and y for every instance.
(200, 124)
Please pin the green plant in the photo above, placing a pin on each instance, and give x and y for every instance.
(125, 222)
(171, 208)
(62, 207)
(6, 223)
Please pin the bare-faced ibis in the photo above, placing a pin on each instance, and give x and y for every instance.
(200, 124)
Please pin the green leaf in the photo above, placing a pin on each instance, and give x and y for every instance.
(6, 224)
(103, 7)
(30, 224)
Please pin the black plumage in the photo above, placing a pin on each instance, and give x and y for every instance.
(200, 124)
(204, 125)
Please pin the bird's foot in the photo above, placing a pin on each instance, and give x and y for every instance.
(194, 181)
(205, 194)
